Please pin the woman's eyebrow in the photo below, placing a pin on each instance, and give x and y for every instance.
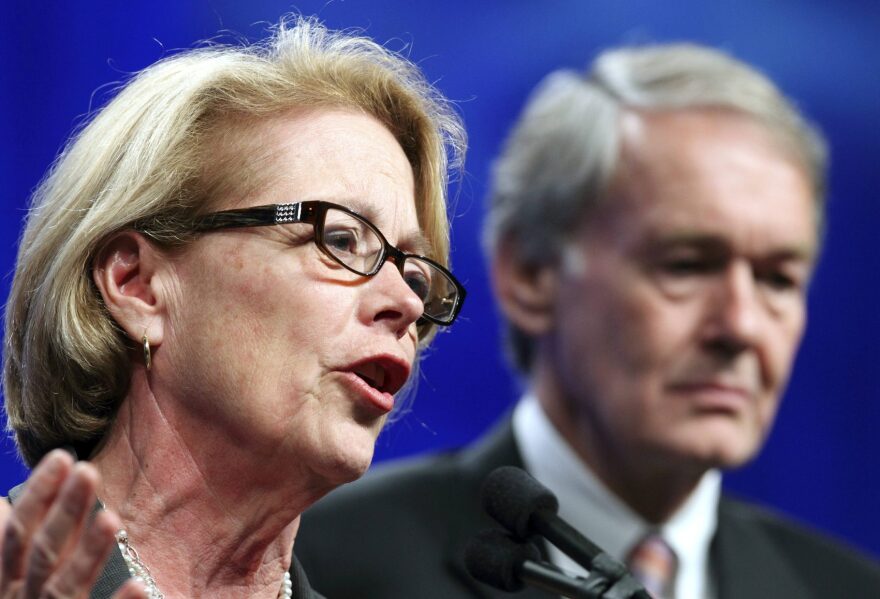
(415, 243)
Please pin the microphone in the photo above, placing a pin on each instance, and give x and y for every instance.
(496, 559)
(526, 507)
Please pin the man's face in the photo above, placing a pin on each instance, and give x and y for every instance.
(681, 303)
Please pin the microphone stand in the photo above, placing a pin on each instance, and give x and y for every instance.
(604, 570)
(548, 578)
(525, 507)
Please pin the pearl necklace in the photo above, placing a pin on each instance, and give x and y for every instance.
(141, 573)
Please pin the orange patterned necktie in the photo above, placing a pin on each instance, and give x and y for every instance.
(654, 563)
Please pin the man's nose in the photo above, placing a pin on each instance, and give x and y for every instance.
(735, 311)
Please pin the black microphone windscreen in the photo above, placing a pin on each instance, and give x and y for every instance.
(510, 495)
(493, 557)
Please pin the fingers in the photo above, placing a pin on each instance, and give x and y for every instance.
(50, 546)
(62, 527)
(28, 513)
(78, 573)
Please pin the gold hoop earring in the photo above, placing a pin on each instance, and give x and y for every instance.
(148, 357)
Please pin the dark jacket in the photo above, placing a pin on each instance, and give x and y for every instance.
(400, 532)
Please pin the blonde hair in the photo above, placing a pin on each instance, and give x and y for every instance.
(143, 159)
(558, 161)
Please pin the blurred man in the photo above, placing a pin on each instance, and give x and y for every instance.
(652, 231)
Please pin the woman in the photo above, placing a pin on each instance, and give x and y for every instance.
(219, 291)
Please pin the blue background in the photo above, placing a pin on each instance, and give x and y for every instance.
(821, 463)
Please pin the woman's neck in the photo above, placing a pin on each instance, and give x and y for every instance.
(204, 521)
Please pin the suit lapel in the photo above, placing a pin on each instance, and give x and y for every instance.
(746, 562)
(497, 449)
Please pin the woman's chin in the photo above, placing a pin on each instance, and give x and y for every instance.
(343, 471)
(351, 458)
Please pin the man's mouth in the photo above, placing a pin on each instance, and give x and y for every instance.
(715, 395)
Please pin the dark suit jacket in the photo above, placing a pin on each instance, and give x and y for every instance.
(400, 532)
(115, 572)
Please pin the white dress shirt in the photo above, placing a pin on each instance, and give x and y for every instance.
(586, 504)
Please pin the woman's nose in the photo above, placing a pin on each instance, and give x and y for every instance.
(392, 301)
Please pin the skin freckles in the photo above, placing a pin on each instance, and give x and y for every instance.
(682, 302)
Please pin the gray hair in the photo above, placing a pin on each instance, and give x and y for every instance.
(147, 158)
(559, 159)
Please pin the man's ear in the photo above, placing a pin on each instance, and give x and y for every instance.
(125, 271)
(526, 293)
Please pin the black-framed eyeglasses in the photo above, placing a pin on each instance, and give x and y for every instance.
(356, 244)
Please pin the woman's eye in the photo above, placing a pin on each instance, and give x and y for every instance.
(419, 283)
(341, 241)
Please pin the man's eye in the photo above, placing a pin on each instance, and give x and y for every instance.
(686, 267)
(780, 281)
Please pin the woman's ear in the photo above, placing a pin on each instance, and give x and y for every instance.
(526, 293)
(127, 273)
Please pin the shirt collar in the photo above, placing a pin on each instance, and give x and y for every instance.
(593, 509)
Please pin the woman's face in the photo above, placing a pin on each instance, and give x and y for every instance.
(270, 346)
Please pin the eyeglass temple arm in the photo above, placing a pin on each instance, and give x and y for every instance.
(251, 217)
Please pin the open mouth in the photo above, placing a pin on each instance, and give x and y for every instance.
(384, 374)
(373, 374)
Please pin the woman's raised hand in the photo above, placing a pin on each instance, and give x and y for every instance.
(50, 545)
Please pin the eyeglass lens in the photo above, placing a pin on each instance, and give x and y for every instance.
(358, 246)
